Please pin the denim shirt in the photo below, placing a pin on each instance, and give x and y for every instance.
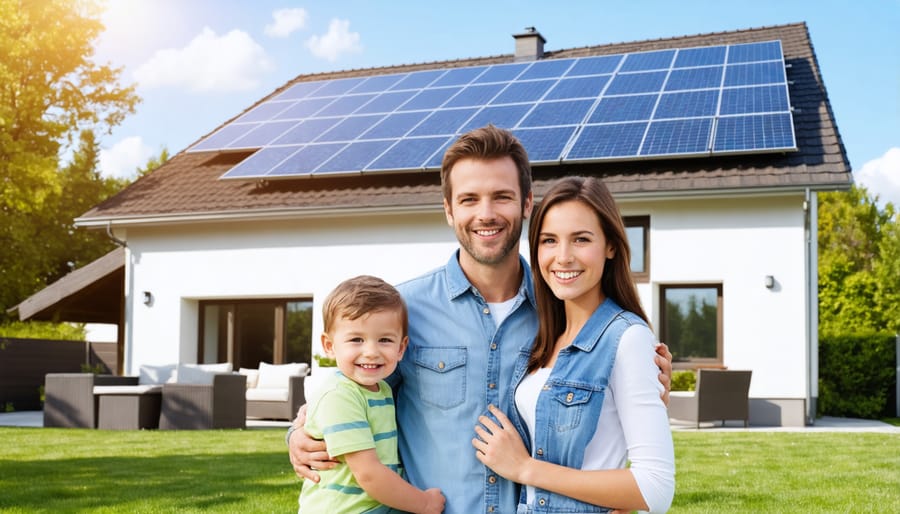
(458, 361)
(569, 404)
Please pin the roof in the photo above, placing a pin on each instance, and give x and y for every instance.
(188, 188)
(93, 293)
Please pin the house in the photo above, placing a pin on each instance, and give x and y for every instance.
(235, 268)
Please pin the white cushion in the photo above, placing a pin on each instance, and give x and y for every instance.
(201, 373)
(150, 374)
(277, 376)
(267, 395)
(128, 389)
(252, 376)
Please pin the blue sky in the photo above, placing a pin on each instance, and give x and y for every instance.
(198, 63)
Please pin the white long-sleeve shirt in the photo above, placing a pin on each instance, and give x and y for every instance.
(633, 424)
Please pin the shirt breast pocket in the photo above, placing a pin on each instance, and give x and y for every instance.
(442, 375)
(570, 403)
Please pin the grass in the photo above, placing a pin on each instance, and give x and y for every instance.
(71, 470)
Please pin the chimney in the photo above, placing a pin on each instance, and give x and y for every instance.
(529, 45)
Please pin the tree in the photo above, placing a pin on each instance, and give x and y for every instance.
(859, 263)
(50, 92)
(154, 162)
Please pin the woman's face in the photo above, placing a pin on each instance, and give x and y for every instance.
(572, 252)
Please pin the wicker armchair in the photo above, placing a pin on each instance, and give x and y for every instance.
(720, 395)
(200, 406)
(70, 401)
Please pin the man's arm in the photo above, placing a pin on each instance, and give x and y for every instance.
(306, 454)
(663, 359)
(389, 488)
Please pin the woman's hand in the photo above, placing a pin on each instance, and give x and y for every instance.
(499, 447)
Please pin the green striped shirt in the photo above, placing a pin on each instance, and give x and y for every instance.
(350, 418)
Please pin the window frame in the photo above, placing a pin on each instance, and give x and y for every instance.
(694, 363)
(644, 223)
(229, 308)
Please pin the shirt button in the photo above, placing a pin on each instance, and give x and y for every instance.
(569, 397)
(542, 501)
(493, 346)
(492, 385)
(492, 479)
(441, 365)
(540, 451)
(490, 508)
(486, 310)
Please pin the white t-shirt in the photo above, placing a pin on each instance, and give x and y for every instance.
(500, 310)
(633, 424)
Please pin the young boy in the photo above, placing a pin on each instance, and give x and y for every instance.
(366, 333)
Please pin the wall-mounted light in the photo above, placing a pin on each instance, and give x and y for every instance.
(148, 297)
(770, 281)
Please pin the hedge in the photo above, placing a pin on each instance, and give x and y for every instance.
(857, 375)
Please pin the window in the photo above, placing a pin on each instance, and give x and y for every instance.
(246, 333)
(691, 323)
(637, 229)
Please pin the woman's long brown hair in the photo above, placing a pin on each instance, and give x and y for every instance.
(616, 281)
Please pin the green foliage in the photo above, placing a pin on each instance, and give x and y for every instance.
(856, 375)
(859, 264)
(43, 330)
(325, 362)
(97, 369)
(684, 380)
(154, 162)
(51, 92)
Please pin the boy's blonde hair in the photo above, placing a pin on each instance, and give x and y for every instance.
(358, 296)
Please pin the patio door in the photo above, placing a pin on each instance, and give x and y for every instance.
(247, 332)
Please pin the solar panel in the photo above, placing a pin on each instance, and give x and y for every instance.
(665, 103)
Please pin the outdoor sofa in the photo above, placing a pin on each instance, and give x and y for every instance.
(275, 391)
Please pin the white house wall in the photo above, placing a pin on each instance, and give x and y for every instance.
(735, 242)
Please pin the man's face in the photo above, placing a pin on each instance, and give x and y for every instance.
(485, 209)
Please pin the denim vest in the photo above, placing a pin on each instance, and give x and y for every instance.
(569, 404)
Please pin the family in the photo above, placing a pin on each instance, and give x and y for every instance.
(487, 385)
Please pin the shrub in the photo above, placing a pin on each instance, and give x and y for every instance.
(856, 375)
(684, 380)
(44, 330)
(325, 362)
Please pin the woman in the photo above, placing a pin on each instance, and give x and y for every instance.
(587, 396)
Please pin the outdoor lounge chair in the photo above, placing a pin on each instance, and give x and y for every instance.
(219, 404)
(70, 400)
(720, 395)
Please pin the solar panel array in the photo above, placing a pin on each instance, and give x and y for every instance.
(674, 102)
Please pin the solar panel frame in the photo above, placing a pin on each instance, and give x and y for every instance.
(668, 102)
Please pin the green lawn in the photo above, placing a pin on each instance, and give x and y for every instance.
(68, 470)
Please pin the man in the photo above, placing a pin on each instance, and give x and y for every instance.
(468, 320)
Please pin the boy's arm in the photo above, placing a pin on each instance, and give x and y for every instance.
(389, 488)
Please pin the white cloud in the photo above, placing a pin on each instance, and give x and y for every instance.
(286, 22)
(337, 41)
(124, 158)
(232, 62)
(882, 177)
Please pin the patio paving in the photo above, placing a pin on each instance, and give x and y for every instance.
(36, 419)
(823, 424)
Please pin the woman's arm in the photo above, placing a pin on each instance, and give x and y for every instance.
(500, 448)
(389, 488)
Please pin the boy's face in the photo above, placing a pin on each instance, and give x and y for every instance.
(367, 349)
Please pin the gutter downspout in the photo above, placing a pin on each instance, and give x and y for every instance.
(811, 210)
(128, 287)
